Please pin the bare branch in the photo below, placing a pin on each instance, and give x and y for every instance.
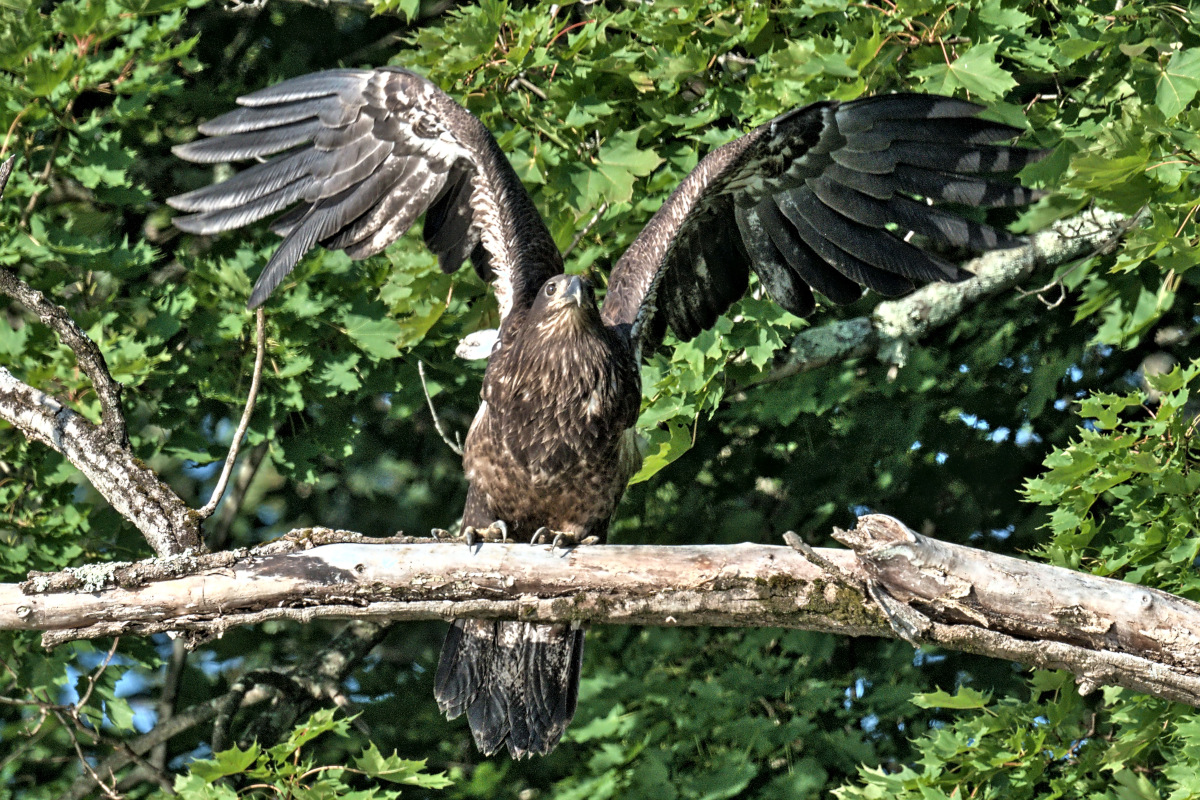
(521, 80)
(895, 324)
(133, 490)
(331, 664)
(55, 317)
(1105, 631)
(167, 699)
(223, 481)
(162, 732)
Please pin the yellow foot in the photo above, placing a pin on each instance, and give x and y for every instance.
(496, 532)
(561, 538)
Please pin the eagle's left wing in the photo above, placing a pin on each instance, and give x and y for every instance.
(825, 197)
(358, 155)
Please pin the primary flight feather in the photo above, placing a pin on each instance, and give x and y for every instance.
(832, 197)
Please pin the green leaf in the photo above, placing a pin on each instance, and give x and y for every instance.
(976, 71)
(662, 448)
(370, 327)
(342, 375)
(396, 770)
(323, 721)
(227, 762)
(195, 787)
(1179, 82)
(964, 697)
(47, 72)
(620, 161)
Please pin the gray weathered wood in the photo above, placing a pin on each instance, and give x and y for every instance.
(1105, 631)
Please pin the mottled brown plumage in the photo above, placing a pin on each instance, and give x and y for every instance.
(551, 446)
(831, 197)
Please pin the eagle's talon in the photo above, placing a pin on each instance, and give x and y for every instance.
(564, 539)
(539, 536)
(468, 535)
(499, 527)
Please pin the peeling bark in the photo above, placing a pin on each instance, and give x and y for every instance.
(88, 355)
(133, 490)
(895, 324)
(1103, 630)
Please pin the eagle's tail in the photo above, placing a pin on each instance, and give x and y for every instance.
(517, 683)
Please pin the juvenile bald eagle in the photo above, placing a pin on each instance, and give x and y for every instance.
(831, 197)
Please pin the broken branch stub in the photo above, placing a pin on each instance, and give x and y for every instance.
(961, 585)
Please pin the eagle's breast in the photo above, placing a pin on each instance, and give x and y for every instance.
(551, 444)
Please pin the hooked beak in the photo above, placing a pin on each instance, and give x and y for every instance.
(574, 290)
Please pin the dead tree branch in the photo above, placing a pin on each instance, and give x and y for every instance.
(894, 325)
(133, 490)
(86, 353)
(101, 453)
(55, 317)
(1105, 631)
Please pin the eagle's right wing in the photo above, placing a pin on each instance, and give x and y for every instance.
(363, 154)
(831, 197)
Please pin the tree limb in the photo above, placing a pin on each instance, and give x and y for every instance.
(895, 324)
(55, 317)
(133, 490)
(86, 353)
(1103, 630)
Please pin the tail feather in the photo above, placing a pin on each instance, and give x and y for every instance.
(517, 683)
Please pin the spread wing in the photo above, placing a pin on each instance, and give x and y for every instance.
(831, 197)
(360, 154)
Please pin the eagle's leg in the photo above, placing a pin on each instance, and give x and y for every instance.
(562, 538)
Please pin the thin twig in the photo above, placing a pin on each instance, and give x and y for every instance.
(146, 771)
(591, 223)
(223, 481)
(437, 423)
(109, 791)
(218, 534)
(1102, 247)
(87, 694)
(45, 176)
(520, 80)
(161, 732)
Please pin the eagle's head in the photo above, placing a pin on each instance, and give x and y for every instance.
(566, 300)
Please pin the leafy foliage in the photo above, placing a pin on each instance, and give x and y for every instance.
(1126, 496)
(603, 108)
(1052, 745)
(282, 771)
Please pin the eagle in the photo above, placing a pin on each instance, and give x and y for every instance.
(829, 198)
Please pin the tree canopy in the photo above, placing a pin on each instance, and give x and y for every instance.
(1056, 420)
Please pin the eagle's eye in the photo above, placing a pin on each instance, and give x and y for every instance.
(551, 288)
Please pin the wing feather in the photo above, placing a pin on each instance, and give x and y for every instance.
(873, 246)
(831, 197)
(359, 156)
